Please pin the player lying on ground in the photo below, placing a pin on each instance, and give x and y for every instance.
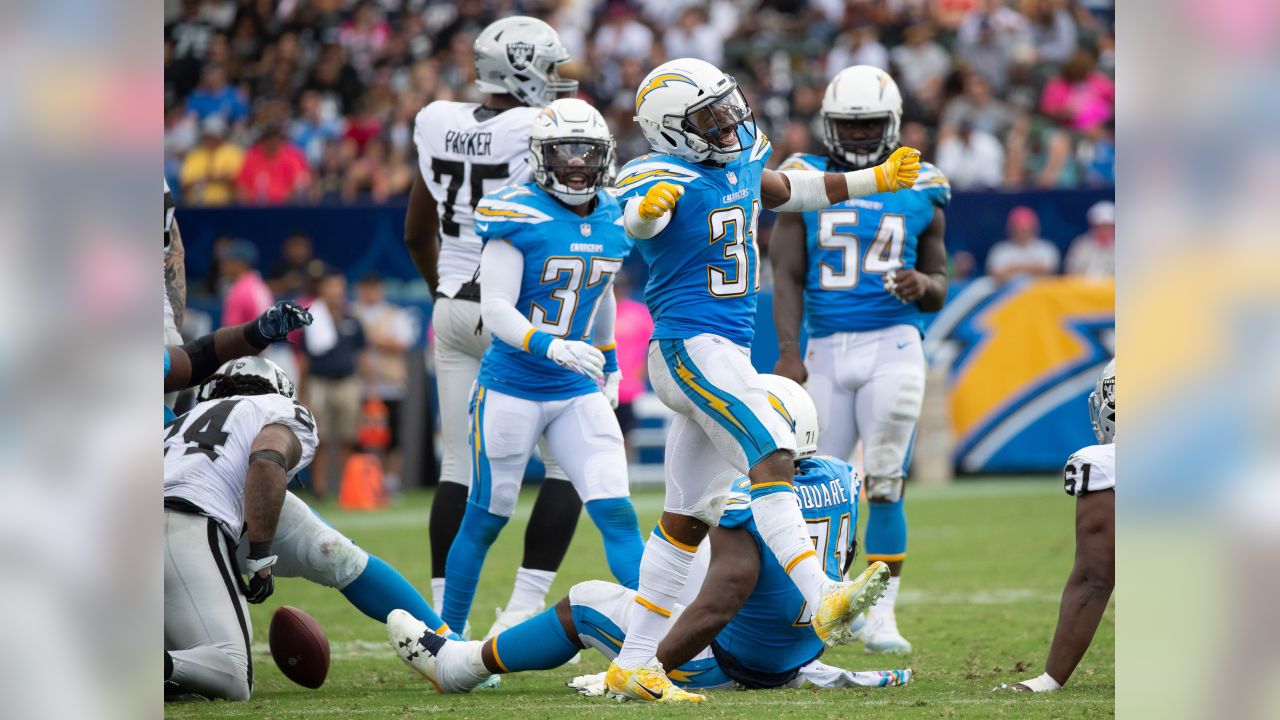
(1090, 476)
(861, 274)
(226, 465)
(465, 150)
(747, 626)
(551, 248)
(692, 206)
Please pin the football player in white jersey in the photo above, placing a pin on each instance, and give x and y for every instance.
(226, 466)
(1089, 476)
(466, 150)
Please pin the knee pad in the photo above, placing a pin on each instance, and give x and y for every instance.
(883, 489)
(707, 507)
(310, 549)
(907, 399)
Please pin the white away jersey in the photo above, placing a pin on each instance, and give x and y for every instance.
(206, 451)
(1090, 469)
(462, 159)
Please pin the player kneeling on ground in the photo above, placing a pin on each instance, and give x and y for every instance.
(1090, 476)
(551, 249)
(750, 628)
(226, 465)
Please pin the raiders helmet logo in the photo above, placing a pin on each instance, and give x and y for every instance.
(520, 54)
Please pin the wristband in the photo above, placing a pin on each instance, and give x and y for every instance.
(610, 353)
(254, 336)
(536, 342)
(862, 183)
(258, 550)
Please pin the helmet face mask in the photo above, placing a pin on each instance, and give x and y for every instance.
(690, 109)
(571, 151)
(861, 116)
(1102, 406)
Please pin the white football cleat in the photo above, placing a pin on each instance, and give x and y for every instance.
(445, 663)
(881, 636)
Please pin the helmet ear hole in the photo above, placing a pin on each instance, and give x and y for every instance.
(669, 139)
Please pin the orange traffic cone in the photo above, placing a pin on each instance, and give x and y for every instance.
(362, 484)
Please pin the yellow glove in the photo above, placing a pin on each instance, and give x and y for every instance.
(661, 199)
(899, 172)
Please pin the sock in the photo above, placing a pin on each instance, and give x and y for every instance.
(437, 594)
(530, 590)
(623, 543)
(886, 532)
(551, 525)
(380, 589)
(538, 643)
(778, 518)
(884, 606)
(664, 569)
(1043, 683)
(447, 509)
(478, 531)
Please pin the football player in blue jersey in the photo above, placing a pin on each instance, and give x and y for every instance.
(745, 624)
(692, 206)
(551, 249)
(862, 273)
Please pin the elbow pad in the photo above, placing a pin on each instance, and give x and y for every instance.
(204, 359)
(808, 191)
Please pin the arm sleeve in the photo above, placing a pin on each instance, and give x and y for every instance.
(638, 227)
(602, 333)
(501, 268)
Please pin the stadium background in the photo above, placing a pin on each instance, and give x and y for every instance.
(295, 118)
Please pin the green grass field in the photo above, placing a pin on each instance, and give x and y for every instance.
(979, 601)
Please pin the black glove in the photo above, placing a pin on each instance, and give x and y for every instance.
(260, 587)
(281, 319)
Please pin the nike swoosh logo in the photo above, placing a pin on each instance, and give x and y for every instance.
(482, 227)
(652, 694)
(902, 345)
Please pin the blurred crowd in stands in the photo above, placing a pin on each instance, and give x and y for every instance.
(313, 101)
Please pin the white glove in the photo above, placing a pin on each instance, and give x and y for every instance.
(889, 283)
(830, 676)
(589, 685)
(578, 356)
(610, 389)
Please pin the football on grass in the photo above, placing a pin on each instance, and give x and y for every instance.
(299, 646)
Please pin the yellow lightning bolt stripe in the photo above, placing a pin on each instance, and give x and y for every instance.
(657, 82)
(782, 410)
(718, 404)
(477, 441)
(650, 606)
(490, 212)
(736, 502)
(683, 676)
(659, 172)
(1000, 368)
(606, 635)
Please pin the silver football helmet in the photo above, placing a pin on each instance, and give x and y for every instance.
(519, 55)
(252, 365)
(1102, 405)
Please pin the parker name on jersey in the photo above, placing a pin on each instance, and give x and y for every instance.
(461, 158)
(206, 451)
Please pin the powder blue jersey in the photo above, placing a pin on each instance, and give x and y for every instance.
(851, 245)
(168, 411)
(704, 267)
(569, 263)
(772, 634)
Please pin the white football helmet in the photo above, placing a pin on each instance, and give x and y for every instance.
(690, 109)
(799, 411)
(249, 365)
(571, 151)
(856, 97)
(519, 55)
(1102, 405)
